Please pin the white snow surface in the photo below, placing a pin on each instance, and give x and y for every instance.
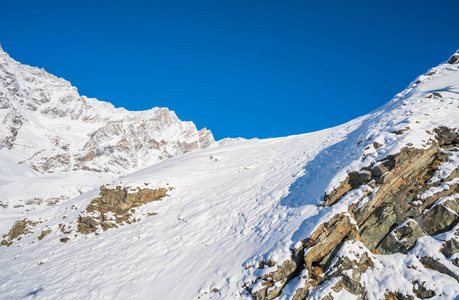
(232, 206)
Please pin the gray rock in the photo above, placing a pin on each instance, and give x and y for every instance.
(282, 275)
(433, 264)
(450, 247)
(447, 136)
(356, 179)
(402, 239)
(349, 280)
(377, 225)
(421, 292)
(440, 217)
(454, 58)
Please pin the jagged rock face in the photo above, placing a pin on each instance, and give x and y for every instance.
(398, 198)
(454, 58)
(408, 202)
(349, 268)
(402, 239)
(48, 126)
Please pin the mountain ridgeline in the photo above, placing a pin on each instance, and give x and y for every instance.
(51, 128)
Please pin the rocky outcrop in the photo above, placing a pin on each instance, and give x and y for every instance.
(421, 291)
(352, 181)
(436, 265)
(402, 239)
(454, 58)
(19, 229)
(403, 202)
(451, 247)
(273, 282)
(348, 265)
(116, 206)
(441, 217)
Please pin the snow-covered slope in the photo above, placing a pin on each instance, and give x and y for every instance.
(257, 219)
(48, 128)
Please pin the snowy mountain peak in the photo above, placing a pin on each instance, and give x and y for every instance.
(48, 127)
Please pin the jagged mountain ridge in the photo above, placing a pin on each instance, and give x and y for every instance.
(47, 127)
(54, 129)
(365, 210)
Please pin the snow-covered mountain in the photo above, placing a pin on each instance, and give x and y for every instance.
(365, 210)
(48, 128)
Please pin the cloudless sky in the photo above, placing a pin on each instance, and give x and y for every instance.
(240, 68)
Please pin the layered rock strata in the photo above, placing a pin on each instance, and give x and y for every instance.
(402, 204)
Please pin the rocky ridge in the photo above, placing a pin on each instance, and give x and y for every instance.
(397, 203)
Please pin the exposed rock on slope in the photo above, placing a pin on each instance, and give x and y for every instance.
(115, 207)
(19, 228)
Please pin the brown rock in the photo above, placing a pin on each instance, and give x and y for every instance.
(421, 292)
(19, 229)
(327, 237)
(120, 202)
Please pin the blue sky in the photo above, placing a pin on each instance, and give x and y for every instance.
(240, 68)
